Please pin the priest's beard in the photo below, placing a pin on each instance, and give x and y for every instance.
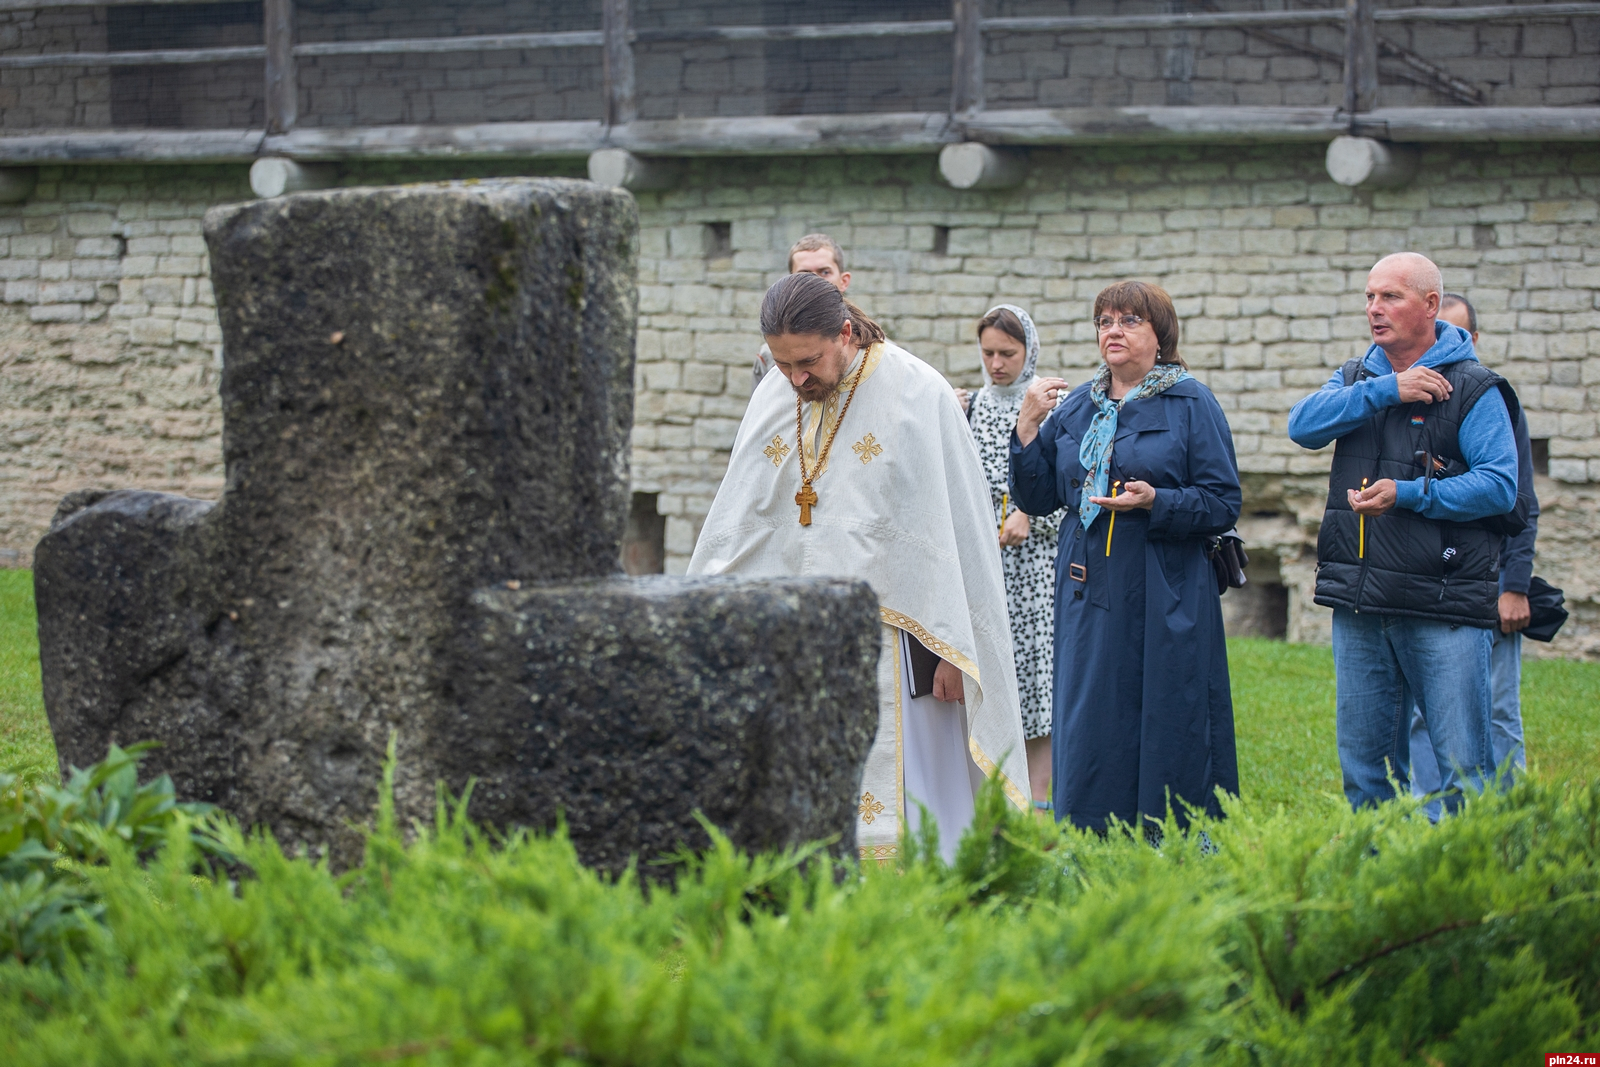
(816, 390)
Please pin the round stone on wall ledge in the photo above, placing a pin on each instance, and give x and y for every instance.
(274, 176)
(621, 169)
(970, 165)
(1364, 162)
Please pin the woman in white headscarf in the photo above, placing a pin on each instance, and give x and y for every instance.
(1009, 346)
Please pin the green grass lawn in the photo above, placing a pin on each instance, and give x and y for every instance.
(25, 743)
(1283, 706)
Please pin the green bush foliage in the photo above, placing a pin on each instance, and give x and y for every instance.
(49, 834)
(1339, 938)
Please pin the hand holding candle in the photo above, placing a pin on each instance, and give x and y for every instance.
(1134, 494)
(1375, 499)
(1111, 526)
(1361, 549)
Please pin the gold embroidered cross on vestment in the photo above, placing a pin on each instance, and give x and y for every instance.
(807, 496)
(867, 448)
(776, 451)
(870, 807)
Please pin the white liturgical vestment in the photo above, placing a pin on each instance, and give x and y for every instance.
(902, 503)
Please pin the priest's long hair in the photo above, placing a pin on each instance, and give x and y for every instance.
(805, 304)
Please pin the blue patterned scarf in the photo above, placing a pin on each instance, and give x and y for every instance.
(1095, 452)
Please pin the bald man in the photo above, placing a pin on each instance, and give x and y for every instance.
(1422, 495)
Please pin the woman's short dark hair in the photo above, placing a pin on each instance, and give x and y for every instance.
(1005, 320)
(1152, 304)
(805, 304)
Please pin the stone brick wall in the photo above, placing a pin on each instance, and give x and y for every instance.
(1550, 63)
(54, 96)
(109, 346)
(1555, 62)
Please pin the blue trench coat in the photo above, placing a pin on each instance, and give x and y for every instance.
(1142, 702)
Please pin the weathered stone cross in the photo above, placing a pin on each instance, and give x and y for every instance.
(428, 397)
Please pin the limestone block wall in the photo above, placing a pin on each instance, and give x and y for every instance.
(1548, 63)
(108, 344)
(54, 96)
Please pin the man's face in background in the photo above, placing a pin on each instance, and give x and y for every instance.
(819, 261)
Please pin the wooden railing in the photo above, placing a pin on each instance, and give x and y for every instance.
(617, 37)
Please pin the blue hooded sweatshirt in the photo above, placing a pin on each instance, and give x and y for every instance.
(1489, 486)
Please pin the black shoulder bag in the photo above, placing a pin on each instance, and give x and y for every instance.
(1228, 560)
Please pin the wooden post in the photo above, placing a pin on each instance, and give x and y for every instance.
(966, 85)
(1360, 57)
(283, 87)
(616, 60)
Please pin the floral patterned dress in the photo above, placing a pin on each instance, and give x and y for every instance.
(1030, 568)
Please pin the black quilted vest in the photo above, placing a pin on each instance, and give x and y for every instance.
(1411, 565)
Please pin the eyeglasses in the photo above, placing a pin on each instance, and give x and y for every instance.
(1127, 322)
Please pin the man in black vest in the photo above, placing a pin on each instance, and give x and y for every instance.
(1516, 573)
(1422, 493)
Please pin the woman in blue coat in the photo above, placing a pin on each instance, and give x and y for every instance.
(1142, 459)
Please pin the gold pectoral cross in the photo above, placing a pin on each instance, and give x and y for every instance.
(805, 498)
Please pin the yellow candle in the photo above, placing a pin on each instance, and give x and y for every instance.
(1361, 549)
(1112, 525)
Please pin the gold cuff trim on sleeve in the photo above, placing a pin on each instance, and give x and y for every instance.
(943, 649)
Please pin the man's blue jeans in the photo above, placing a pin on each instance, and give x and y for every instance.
(1383, 664)
(1505, 718)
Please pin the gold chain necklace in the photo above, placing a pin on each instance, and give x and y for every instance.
(807, 496)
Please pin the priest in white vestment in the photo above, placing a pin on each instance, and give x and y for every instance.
(883, 484)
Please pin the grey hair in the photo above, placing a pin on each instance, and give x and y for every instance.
(805, 304)
(1421, 274)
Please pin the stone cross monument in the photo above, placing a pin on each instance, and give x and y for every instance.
(428, 393)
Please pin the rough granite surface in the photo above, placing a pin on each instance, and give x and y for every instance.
(427, 396)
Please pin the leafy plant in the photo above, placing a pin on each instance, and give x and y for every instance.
(50, 834)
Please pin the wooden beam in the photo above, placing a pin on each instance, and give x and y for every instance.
(283, 83)
(1147, 125)
(824, 32)
(616, 58)
(488, 140)
(1360, 57)
(1459, 124)
(1211, 20)
(787, 134)
(1489, 13)
(133, 59)
(126, 146)
(1198, 20)
(493, 42)
(966, 67)
(923, 132)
